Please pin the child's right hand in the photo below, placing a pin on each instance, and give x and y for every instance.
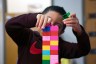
(42, 20)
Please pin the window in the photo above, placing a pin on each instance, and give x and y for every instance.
(25, 6)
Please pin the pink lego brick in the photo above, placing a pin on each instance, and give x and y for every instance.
(54, 48)
(54, 28)
(54, 59)
(46, 38)
(53, 37)
(54, 62)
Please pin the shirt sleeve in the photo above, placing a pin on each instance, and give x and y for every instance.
(18, 28)
(75, 50)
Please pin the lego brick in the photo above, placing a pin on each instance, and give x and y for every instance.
(54, 61)
(46, 47)
(46, 52)
(46, 38)
(46, 42)
(45, 61)
(54, 43)
(54, 33)
(46, 57)
(54, 57)
(66, 15)
(53, 37)
(54, 28)
(54, 52)
(47, 28)
(46, 33)
(54, 48)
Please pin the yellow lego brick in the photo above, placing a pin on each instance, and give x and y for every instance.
(46, 47)
(54, 43)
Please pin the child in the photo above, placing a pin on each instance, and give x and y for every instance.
(30, 42)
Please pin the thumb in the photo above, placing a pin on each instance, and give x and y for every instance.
(73, 15)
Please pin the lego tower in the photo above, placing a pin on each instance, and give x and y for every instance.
(50, 45)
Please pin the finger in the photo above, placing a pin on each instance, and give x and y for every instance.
(70, 22)
(69, 25)
(45, 22)
(49, 20)
(73, 15)
(38, 19)
(68, 19)
(41, 21)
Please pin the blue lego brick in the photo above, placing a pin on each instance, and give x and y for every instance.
(46, 52)
(46, 29)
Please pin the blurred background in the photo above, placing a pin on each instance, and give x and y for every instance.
(84, 9)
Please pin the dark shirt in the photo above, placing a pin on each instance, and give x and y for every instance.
(18, 28)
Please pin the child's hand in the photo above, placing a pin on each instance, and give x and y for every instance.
(73, 22)
(42, 20)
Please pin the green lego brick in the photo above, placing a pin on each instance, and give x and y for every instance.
(66, 15)
(46, 57)
(45, 61)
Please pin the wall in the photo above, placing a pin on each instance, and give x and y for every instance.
(1, 35)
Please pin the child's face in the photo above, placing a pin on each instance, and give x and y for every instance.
(56, 19)
(55, 16)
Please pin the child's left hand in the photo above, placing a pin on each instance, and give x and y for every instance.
(73, 22)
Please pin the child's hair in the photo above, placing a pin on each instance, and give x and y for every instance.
(57, 9)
